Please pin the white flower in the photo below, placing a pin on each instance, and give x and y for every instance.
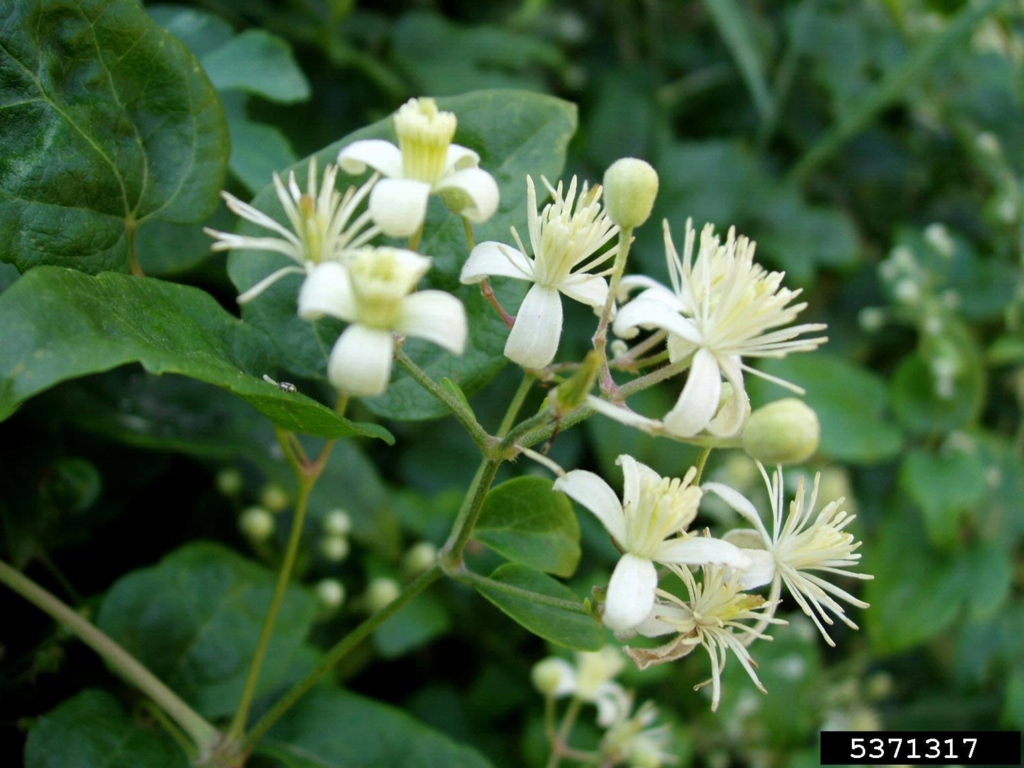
(721, 309)
(797, 547)
(373, 294)
(591, 680)
(424, 162)
(563, 241)
(648, 526)
(709, 618)
(634, 741)
(320, 231)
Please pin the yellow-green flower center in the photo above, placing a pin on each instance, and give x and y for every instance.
(424, 135)
(381, 281)
(666, 507)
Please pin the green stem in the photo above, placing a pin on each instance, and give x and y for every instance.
(467, 225)
(515, 405)
(306, 483)
(600, 340)
(451, 555)
(345, 646)
(476, 580)
(702, 459)
(452, 402)
(561, 740)
(204, 735)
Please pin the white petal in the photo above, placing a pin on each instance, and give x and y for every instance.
(630, 593)
(624, 415)
(399, 206)
(651, 310)
(741, 504)
(761, 570)
(586, 289)
(745, 538)
(360, 362)
(634, 476)
(590, 491)
(613, 704)
(734, 413)
(679, 348)
(491, 258)
(327, 291)
(630, 283)
(460, 157)
(380, 155)
(567, 682)
(479, 186)
(699, 399)
(435, 316)
(654, 626)
(701, 550)
(538, 329)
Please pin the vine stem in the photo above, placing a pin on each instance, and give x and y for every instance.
(202, 733)
(345, 646)
(307, 474)
(561, 739)
(600, 340)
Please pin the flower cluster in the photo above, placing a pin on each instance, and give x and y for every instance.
(373, 288)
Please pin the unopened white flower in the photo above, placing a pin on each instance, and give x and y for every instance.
(424, 162)
(590, 680)
(800, 547)
(711, 618)
(321, 229)
(648, 526)
(722, 308)
(564, 237)
(633, 740)
(374, 294)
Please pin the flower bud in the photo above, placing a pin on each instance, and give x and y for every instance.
(784, 432)
(274, 497)
(380, 592)
(229, 482)
(630, 186)
(573, 391)
(330, 593)
(337, 523)
(334, 548)
(549, 676)
(419, 558)
(257, 523)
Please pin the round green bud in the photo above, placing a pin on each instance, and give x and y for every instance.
(380, 592)
(334, 548)
(784, 432)
(257, 523)
(229, 482)
(630, 186)
(274, 497)
(337, 523)
(420, 557)
(330, 593)
(548, 676)
(644, 755)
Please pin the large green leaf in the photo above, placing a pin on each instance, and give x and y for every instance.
(945, 485)
(92, 730)
(195, 619)
(107, 121)
(529, 523)
(572, 630)
(330, 728)
(60, 324)
(515, 133)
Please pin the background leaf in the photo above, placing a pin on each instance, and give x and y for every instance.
(108, 122)
(527, 522)
(92, 730)
(195, 619)
(61, 324)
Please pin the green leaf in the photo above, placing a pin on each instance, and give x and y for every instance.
(515, 133)
(731, 18)
(92, 730)
(195, 620)
(330, 728)
(60, 324)
(259, 63)
(572, 630)
(919, 402)
(991, 572)
(418, 623)
(526, 521)
(849, 400)
(945, 485)
(916, 594)
(109, 122)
